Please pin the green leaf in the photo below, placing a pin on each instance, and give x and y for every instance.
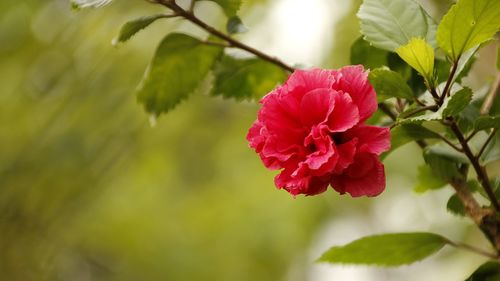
(389, 84)
(179, 65)
(498, 58)
(363, 53)
(467, 24)
(489, 271)
(455, 206)
(458, 102)
(419, 55)
(405, 133)
(386, 250)
(230, 7)
(130, 28)
(245, 78)
(78, 4)
(388, 24)
(426, 180)
(235, 25)
(442, 166)
(487, 122)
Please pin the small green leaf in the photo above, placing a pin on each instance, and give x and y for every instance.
(419, 55)
(467, 24)
(489, 271)
(442, 166)
(458, 102)
(389, 84)
(363, 53)
(487, 122)
(388, 24)
(235, 25)
(245, 78)
(230, 7)
(78, 4)
(426, 180)
(405, 133)
(130, 28)
(386, 250)
(455, 206)
(178, 67)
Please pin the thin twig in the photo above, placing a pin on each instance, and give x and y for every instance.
(232, 42)
(421, 109)
(488, 102)
(483, 148)
(473, 249)
(480, 171)
(218, 44)
(387, 111)
(449, 82)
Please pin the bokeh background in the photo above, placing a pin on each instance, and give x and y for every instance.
(90, 190)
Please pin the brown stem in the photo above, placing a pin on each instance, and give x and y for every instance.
(449, 82)
(473, 249)
(488, 102)
(480, 171)
(232, 42)
(490, 137)
(421, 109)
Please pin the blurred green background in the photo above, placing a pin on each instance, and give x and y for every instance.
(89, 190)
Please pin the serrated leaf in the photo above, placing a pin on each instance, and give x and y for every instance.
(130, 28)
(419, 55)
(405, 133)
(89, 3)
(487, 122)
(245, 78)
(489, 271)
(386, 250)
(388, 24)
(389, 84)
(426, 180)
(234, 25)
(370, 57)
(178, 67)
(468, 23)
(458, 102)
(455, 206)
(230, 7)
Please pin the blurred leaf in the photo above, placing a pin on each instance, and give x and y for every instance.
(419, 55)
(467, 24)
(458, 102)
(235, 25)
(426, 180)
(442, 166)
(406, 133)
(386, 250)
(230, 7)
(389, 84)
(179, 65)
(245, 78)
(446, 151)
(89, 3)
(468, 117)
(455, 206)
(487, 122)
(130, 28)
(489, 271)
(498, 58)
(363, 53)
(388, 24)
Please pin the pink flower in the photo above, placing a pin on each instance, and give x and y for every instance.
(312, 128)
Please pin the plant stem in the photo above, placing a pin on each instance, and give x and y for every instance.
(473, 249)
(490, 137)
(421, 109)
(480, 171)
(231, 42)
(449, 82)
(488, 102)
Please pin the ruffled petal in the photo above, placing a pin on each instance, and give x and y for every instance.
(371, 139)
(364, 177)
(344, 115)
(354, 81)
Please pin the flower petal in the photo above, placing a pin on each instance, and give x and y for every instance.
(316, 106)
(365, 177)
(371, 139)
(344, 115)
